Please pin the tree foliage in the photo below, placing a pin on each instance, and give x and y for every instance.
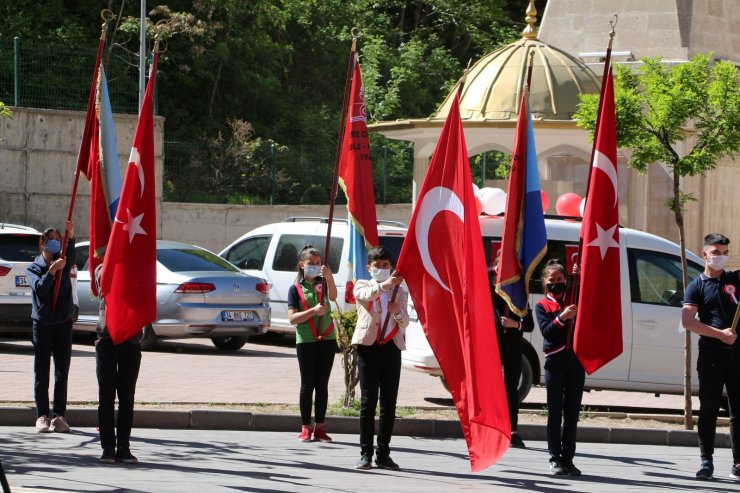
(660, 106)
(280, 65)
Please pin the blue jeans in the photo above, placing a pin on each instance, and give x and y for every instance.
(564, 379)
(51, 340)
(118, 370)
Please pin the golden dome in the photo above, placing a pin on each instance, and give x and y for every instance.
(493, 85)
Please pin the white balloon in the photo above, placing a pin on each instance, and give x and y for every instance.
(476, 190)
(494, 202)
(582, 207)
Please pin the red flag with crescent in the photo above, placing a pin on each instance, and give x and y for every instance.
(444, 265)
(598, 331)
(129, 277)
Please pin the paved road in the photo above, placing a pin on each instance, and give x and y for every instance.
(265, 370)
(226, 461)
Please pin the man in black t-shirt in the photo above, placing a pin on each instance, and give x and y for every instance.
(714, 297)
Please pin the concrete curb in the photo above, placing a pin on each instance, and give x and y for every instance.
(215, 419)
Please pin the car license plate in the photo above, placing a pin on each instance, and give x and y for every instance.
(21, 282)
(232, 316)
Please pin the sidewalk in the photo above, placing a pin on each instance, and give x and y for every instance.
(193, 373)
(183, 461)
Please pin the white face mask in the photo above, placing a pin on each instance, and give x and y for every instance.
(718, 262)
(311, 271)
(380, 275)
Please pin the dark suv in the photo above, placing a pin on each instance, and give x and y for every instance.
(19, 245)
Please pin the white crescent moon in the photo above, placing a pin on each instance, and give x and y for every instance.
(605, 164)
(436, 200)
(135, 159)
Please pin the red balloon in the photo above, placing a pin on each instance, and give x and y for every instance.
(568, 204)
(545, 200)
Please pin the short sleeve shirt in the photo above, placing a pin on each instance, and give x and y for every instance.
(303, 332)
(716, 299)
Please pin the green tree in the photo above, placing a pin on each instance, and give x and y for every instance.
(659, 107)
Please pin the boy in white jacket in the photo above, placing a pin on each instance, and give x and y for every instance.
(379, 339)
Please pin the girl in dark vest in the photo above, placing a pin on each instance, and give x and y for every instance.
(316, 338)
(564, 375)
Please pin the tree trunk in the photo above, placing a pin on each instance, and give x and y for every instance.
(678, 212)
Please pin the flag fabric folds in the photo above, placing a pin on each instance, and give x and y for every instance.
(129, 280)
(356, 179)
(524, 238)
(598, 330)
(104, 172)
(444, 266)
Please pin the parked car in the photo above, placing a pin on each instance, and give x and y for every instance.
(271, 252)
(199, 294)
(652, 290)
(19, 245)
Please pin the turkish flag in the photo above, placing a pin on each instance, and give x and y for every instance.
(598, 331)
(129, 281)
(444, 265)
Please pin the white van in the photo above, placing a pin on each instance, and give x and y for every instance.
(651, 286)
(271, 252)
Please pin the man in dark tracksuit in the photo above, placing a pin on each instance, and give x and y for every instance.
(509, 328)
(713, 296)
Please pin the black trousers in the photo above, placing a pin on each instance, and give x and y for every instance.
(717, 369)
(51, 341)
(380, 373)
(315, 360)
(117, 369)
(510, 350)
(564, 380)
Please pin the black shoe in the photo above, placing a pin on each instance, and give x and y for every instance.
(126, 457)
(108, 457)
(706, 471)
(386, 463)
(572, 469)
(364, 462)
(735, 472)
(557, 468)
(516, 441)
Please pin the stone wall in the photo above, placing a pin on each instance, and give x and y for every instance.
(38, 154)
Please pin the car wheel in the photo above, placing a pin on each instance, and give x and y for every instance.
(149, 339)
(525, 381)
(229, 343)
(444, 383)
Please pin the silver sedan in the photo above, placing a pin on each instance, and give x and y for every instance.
(198, 295)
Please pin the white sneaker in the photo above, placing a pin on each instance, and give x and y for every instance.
(42, 424)
(59, 425)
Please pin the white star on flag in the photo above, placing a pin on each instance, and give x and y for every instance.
(604, 239)
(133, 226)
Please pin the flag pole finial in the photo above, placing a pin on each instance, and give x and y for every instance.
(530, 32)
(107, 15)
(612, 33)
(355, 32)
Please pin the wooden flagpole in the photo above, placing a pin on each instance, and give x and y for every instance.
(338, 156)
(107, 16)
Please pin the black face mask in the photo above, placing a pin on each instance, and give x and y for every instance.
(556, 288)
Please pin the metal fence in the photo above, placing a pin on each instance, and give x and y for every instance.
(275, 175)
(36, 75)
(39, 75)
